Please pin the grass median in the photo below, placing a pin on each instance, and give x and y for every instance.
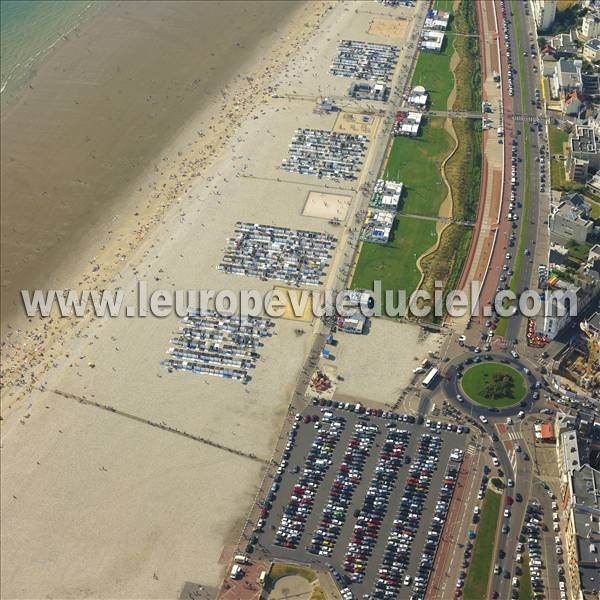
(478, 576)
(525, 581)
(522, 239)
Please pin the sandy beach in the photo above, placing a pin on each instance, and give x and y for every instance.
(103, 495)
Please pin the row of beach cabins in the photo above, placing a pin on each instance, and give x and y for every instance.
(364, 60)
(213, 344)
(296, 257)
(326, 154)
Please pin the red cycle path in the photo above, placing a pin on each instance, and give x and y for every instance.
(453, 520)
(490, 283)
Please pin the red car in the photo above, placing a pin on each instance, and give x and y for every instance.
(509, 500)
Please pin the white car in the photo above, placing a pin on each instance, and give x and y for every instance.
(483, 418)
(514, 354)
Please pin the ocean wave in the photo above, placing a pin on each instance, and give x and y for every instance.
(21, 69)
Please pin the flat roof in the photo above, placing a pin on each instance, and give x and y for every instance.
(594, 321)
(585, 486)
(584, 140)
(594, 44)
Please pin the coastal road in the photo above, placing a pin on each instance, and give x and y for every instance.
(520, 129)
(529, 140)
(504, 441)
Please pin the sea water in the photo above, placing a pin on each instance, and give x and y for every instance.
(29, 30)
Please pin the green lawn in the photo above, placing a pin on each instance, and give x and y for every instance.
(481, 562)
(476, 378)
(558, 176)
(578, 252)
(433, 71)
(557, 137)
(417, 163)
(525, 582)
(394, 264)
(595, 208)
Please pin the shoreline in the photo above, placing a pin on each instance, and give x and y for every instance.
(9, 96)
(123, 480)
(165, 153)
(117, 235)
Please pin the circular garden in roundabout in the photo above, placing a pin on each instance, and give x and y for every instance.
(493, 384)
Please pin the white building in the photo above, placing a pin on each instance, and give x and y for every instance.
(558, 314)
(544, 12)
(566, 77)
(437, 19)
(431, 41)
(590, 25)
(418, 97)
(591, 50)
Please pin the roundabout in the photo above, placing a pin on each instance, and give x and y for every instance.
(493, 385)
(522, 397)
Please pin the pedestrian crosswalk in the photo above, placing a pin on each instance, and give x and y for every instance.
(543, 361)
(514, 435)
(529, 118)
(471, 449)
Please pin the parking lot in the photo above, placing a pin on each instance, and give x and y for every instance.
(363, 494)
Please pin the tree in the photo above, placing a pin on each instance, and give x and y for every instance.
(501, 386)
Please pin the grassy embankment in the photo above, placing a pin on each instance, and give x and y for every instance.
(463, 169)
(417, 163)
(478, 576)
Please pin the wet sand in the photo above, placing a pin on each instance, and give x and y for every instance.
(119, 479)
(99, 114)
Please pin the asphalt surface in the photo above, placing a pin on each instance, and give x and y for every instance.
(305, 436)
(512, 464)
(517, 122)
(526, 82)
